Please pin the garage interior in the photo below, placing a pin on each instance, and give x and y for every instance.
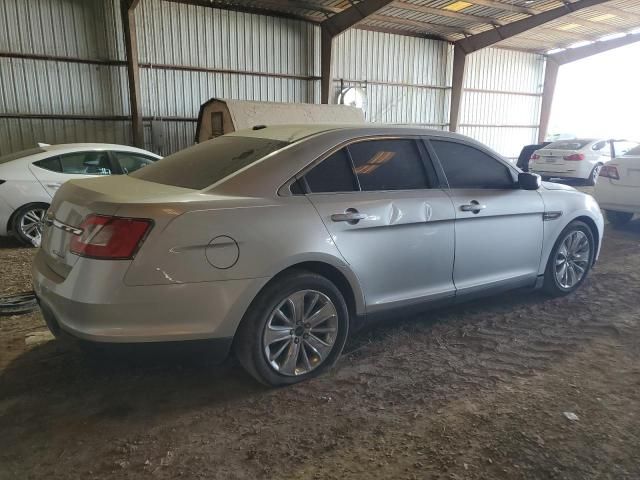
(477, 391)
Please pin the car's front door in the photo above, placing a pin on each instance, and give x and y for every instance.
(384, 209)
(499, 227)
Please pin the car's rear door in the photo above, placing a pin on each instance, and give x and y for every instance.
(385, 211)
(498, 227)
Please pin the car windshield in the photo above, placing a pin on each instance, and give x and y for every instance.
(633, 152)
(21, 154)
(206, 163)
(575, 144)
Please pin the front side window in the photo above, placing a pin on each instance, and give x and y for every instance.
(333, 174)
(130, 162)
(86, 163)
(388, 165)
(204, 164)
(468, 167)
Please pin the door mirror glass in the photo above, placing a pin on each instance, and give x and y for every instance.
(529, 181)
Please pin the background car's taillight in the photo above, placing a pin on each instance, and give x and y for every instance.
(535, 156)
(609, 171)
(114, 238)
(576, 157)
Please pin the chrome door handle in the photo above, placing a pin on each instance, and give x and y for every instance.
(54, 185)
(474, 207)
(351, 215)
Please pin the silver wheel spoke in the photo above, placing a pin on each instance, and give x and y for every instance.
(296, 302)
(322, 315)
(291, 359)
(278, 352)
(281, 316)
(277, 334)
(318, 346)
(322, 330)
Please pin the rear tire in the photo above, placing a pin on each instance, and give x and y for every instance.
(279, 347)
(593, 176)
(575, 249)
(27, 223)
(618, 219)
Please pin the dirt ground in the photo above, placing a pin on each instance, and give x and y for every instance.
(480, 391)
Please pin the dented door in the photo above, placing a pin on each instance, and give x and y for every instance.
(399, 244)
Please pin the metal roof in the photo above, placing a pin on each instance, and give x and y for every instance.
(430, 18)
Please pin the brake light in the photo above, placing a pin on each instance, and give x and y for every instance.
(106, 237)
(609, 171)
(535, 156)
(575, 157)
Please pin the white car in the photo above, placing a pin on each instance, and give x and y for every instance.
(30, 178)
(580, 158)
(618, 189)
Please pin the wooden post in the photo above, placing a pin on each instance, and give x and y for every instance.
(133, 72)
(550, 77)
(326, 77)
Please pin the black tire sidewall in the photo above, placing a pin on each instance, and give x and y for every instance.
(593, 177)
(551, 284)
(248, 343)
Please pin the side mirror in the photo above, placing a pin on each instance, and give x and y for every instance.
(529, 181)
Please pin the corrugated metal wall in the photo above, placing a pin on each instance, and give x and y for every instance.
(190, 54)
(407, 79)
(501, 99)
(60, 95)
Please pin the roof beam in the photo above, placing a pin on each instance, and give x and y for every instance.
(349, 17)
(437, 28)
(490, 37)
(573, 54)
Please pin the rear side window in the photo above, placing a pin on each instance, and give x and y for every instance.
(388, 165)
(333, 174)
(634, 151)
(51, 163)
(206, 163)
(130, 162)
(468, 167)
(86, 163)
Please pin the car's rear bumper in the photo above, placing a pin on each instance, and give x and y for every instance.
(577, 174)
(103, 310)
(619, 198)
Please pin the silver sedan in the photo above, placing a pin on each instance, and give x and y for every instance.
(276, 242)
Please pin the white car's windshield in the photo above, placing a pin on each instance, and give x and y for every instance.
(204, 164)
(21, 154)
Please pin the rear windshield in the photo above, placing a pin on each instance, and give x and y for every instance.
(569, 144)
(634, 151)
(204, 164)
(21, 154)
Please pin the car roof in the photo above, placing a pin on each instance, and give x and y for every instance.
(92, 146)
(293, 133)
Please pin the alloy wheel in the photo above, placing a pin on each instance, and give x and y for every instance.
(31, 225)
(300, 333)
(572, 259)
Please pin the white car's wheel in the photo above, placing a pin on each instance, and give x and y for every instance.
(593, 177)
(294, 330)
(27, 223)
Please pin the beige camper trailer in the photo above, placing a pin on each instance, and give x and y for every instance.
(218, 116)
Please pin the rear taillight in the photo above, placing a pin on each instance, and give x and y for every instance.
(114, 238)
(576, 157)
(609, 171)
(535, 156)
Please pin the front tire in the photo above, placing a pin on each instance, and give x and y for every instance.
(27, 223)
(570, 260)
(618, 219)
(294, 330)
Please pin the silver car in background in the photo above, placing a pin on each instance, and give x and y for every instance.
(277, 241)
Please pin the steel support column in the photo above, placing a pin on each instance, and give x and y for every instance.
(457, 82)
(133, 71)
(326, 77)
(550, 77)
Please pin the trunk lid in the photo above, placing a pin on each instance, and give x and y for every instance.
(628, 170)
(104, 196)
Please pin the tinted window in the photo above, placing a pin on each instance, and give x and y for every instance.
(130, 162)
(51, 163)
(468, 167)
(21, 154)
(204, 164)
(86, 163)
(333, 174)
(634, 151)
(388, 165)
